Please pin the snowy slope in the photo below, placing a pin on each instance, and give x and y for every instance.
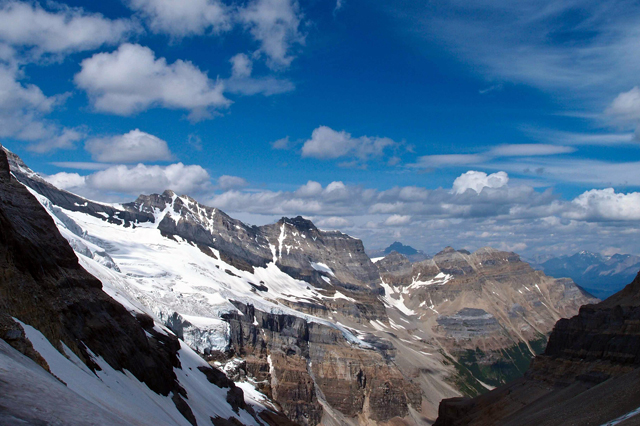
(170, 276)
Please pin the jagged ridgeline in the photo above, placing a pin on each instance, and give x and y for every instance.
(300, 319)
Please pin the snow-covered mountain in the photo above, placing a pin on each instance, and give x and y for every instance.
(300, 318)
(71, 354)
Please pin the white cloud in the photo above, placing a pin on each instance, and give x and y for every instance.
(184, 17)
(576, 138)
(507, 150)
(606, 204)
(626, 106)
(428, 161)
(133, 147)
(131, 79)
(333, 222)
(57, 138)
(275, 25)
(241, 81)
(68, 181)
(282, 143)
(140, 179)
(397, 220)
(309, 189)
(326, 143)
(584, 50)
(63, 31)
(241, 65)
(592, 172)
(23, 108)
(477, 181)
(528, 150)
(226, 182)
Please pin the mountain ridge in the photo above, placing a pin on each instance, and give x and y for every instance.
(303, 316)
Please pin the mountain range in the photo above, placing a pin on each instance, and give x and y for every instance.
(164, 305)
(600, 275)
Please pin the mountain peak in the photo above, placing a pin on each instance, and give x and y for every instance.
(299, 222)
(446, 250)
(400, 248)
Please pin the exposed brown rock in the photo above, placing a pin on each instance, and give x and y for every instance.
(587, 374)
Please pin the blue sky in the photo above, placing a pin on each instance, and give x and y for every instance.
(511, 124)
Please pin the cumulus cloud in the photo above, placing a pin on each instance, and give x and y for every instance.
(606, 204)
(133, 147)
(477, 181)
(326, 143)
(309, 189)
(275, 25)
(333, 222)
(243, 83)
(397, 220)
(134, 180)
(130, 80)
(68, 181)
(226, 182)
(626, 106)
(185, 17)
(62, 31)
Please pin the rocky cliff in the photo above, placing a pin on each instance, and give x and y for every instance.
(489, 311)
(587, 374)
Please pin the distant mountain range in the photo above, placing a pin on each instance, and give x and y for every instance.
(411, 253)
(600, 275)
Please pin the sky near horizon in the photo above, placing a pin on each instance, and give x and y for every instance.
(470, 124)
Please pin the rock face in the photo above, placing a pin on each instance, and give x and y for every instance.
(587, 374)
(295, 245)
(488, 310)
(306, 365)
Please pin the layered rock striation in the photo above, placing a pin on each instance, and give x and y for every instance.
(586, 375)
(489, 311)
